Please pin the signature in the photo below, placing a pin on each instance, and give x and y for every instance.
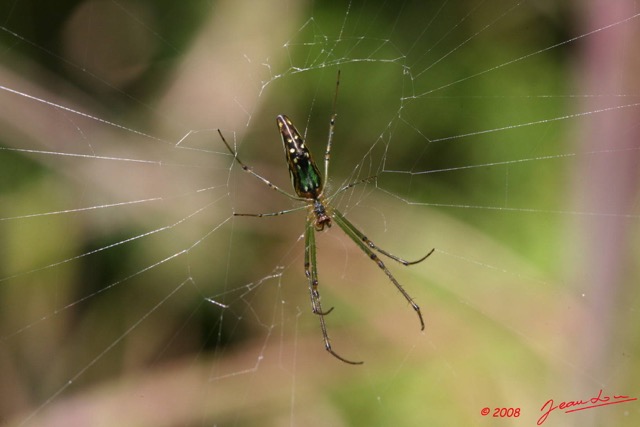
(579, 405)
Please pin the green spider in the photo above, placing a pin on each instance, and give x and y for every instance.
(309, 186)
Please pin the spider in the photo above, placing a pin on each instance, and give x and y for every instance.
(309, 188)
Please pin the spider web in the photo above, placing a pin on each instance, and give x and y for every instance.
(502, 134)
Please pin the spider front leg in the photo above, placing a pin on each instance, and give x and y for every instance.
(311, 270)
(367, 245)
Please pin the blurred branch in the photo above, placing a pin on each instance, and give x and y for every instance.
(606, 186)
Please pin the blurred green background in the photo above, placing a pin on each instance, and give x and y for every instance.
(504, 134)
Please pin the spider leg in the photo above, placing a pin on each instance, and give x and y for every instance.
(332, 125)
(368, 242)
(353, 184)
(366, 246)
(311, 271)
(392, 256)
(260, 215)
(260, 177)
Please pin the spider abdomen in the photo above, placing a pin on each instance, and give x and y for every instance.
(305, 176)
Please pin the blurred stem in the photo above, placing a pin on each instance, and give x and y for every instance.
(605, 186)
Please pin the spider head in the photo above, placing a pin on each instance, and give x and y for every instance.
(322, 219)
